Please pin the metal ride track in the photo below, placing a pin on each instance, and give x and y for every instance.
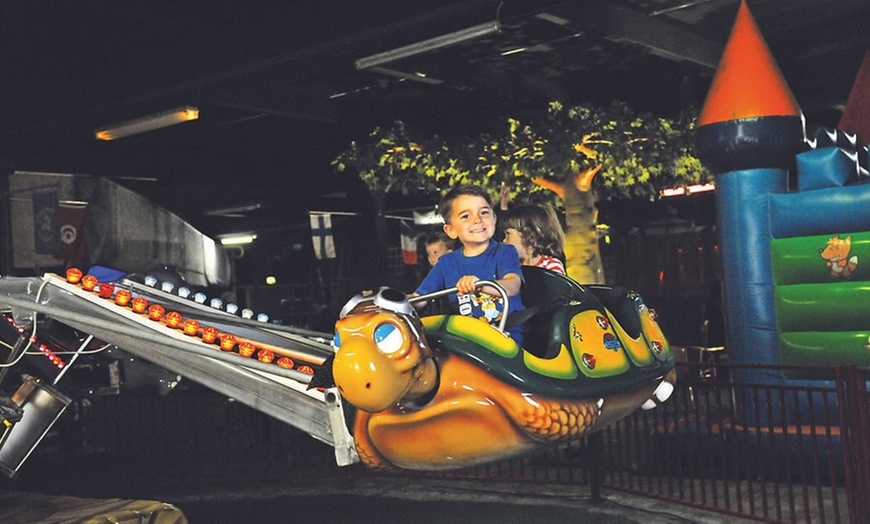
(281, 393)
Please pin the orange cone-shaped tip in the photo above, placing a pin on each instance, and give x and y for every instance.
(748, 83)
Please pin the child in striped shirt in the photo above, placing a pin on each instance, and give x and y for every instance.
(536, 233)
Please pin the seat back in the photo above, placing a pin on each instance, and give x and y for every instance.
(621, 302)
(544, 292)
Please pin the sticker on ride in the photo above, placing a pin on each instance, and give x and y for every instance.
(481, 305)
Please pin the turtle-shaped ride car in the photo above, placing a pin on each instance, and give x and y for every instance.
(448, 391)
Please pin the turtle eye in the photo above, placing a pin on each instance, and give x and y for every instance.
(336, 341)
(388, 338)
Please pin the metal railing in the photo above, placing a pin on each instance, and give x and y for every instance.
(781, 452)
(774, 452)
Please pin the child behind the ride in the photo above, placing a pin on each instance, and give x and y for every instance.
(437, 245)
(469, 217)
(536, 233)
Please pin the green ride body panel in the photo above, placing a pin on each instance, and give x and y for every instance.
(655, 338)
(481, 333)
(562, 366)
(798, 260)
(432, 323)
(825, 348)
(637, 348)
(596, 347)
(836, 306)
(592, 359)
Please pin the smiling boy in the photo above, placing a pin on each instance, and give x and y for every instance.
(469, 217)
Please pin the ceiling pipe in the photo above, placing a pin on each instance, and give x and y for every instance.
(431, 44)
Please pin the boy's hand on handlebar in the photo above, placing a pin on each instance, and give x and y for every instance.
(466, 284)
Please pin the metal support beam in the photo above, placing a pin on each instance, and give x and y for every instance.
(659, 34)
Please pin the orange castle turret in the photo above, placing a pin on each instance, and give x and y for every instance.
(750, 118)
(748, 82)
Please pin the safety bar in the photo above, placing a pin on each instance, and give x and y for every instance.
(480, 283)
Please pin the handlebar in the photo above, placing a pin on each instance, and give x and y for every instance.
(480, 283)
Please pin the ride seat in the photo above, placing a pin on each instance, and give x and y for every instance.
(544, 293)
(547, 293)
(621, 302)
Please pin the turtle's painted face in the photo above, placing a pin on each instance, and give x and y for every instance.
(377, 359)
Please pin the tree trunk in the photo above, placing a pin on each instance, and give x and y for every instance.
(581, 236)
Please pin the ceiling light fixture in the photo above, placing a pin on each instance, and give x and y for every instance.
(513, 51)
(553, 19)
(233, 211)
(431, 44)
(149, 123)
(237, 240)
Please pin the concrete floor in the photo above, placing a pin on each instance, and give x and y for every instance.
(383, 499)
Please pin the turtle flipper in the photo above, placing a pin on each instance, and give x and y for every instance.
(553, 420)
(368, 453)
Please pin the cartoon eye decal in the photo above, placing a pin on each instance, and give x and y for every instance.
(388, 338)
(336, 341)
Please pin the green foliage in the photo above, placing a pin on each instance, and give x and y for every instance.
(393, 161)
(639, 154)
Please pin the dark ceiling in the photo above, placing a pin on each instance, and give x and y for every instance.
(280, 95)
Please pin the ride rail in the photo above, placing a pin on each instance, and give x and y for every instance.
(281, 393)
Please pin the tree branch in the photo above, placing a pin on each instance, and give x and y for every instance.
(583, 180)
(555, 187)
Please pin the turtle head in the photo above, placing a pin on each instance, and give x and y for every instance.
(381, 354)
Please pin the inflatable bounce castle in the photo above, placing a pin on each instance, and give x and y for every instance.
(794, 217)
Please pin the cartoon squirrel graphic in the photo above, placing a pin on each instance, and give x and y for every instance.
(487, 304)
(836, 255)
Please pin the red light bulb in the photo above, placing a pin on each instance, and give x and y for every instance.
(265, 356)
(73, 275)
(174, 319)
(156, 311)
(140, 305)
(106, 289)
(190, 327)
(228, 342)
(209, 334)
(246, 349)
(89, 282)
(123, 297)
(286, 362)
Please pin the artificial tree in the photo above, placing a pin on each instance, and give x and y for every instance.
(577, 154)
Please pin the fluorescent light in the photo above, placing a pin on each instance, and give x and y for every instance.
(513, 51)
(149, 123)
(233, 211)
(237, 240)
(429, 45)
(558, 20)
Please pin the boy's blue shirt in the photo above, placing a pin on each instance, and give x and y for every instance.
(493, 264)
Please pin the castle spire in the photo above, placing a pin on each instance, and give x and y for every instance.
(750, 118)
(748, 82)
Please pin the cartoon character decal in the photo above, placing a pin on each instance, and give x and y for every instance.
(489, 304)
(836, 256)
